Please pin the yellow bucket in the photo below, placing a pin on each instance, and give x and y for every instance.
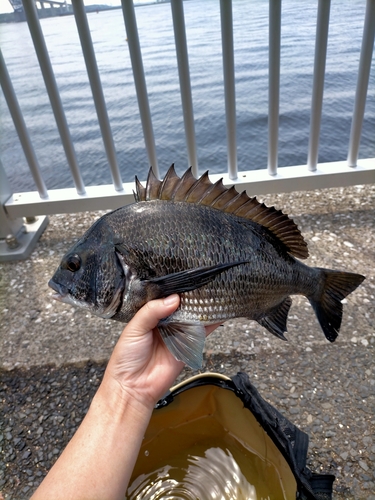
(213, 437)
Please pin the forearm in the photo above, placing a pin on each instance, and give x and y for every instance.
(98, 461)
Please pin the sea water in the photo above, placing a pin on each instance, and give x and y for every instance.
(202, 19)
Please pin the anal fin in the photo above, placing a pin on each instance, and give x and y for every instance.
(275, 320)
(185, 341)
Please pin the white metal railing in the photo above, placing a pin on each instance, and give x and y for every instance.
(362, 83)
(310, 176)
(53, 92)
(184, 77)
(97, 91)
(273, 84)
(318, 83)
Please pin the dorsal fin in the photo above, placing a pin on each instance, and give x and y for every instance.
(140, 191)
(203, 192)
(169, 183)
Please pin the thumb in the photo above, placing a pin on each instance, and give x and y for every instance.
(151, 313)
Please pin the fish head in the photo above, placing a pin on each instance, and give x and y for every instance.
(90, 274)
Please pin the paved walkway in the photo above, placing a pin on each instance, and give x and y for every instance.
(52, 355)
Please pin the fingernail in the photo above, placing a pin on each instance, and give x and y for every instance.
(171, 300)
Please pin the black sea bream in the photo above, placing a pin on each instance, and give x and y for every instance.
(227, 255)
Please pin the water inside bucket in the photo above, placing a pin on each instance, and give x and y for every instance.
(200, 460)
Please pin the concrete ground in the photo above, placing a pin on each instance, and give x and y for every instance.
(328, 390)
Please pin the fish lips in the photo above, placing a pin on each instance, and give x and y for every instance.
(62, 291)
(62, 294)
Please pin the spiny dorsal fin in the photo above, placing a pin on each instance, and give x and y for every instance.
(169, 183)
(152, 186)
(140, 191)
(203, 192)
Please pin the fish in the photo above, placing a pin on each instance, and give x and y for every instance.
(227, 255)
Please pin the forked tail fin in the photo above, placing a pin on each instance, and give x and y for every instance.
(327, 306)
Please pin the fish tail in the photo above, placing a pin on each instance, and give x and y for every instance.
(336, 285)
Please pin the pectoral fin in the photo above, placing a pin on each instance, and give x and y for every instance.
(275, 320)
(184, 281)
(185, 341)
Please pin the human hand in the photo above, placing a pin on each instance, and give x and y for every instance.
(99, 459)
(141, 365)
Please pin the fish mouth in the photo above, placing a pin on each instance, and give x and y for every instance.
(63, 295)
(62, 292)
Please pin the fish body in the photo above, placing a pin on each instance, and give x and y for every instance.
(227, 255)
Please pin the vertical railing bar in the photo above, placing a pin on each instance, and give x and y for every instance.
(185, 85)
(229, 84)
(140, 81)
(362, 83)
(53, 92)
(21, 128)
(274, 84)
(321, 41)
(97, 90)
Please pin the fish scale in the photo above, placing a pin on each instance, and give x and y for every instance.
(234, 245)
(226, 254)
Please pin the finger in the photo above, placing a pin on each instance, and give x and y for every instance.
(151, 313)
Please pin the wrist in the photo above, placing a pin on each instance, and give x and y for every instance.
(120, 403)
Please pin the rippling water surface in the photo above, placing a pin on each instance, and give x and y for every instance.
(204, 45)
(209, 473)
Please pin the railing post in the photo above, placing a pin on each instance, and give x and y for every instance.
(17, 240)
(318, 85)
(29, 8)
(362, 83)
(185, 86)
(97, 90)
(229, 84)
(140, 82)
(20, 125)
(274, 84)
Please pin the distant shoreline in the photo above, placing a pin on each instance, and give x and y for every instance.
(19, 17)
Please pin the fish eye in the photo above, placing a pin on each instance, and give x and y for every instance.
(73, 263)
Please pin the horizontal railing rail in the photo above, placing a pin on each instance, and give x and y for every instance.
(255, 182)
(273, 179)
